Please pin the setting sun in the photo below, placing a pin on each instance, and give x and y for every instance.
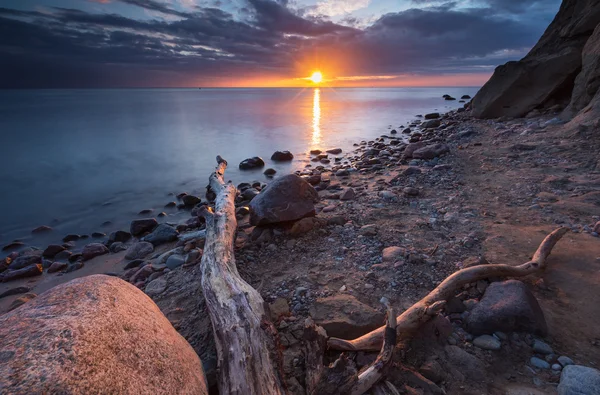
(316, 77)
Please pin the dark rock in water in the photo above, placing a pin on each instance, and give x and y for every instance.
(252, 163)
(21, 301)
(162, 214)
(28, 271)
(270, 172)
(430, 151)
(74, 266)
(74, 257)
(25, 260)
(106, 223)
(449, 98)
(52, 250)
(93, 250)
(191, 200)
(15, 291)
(288, 198)
(46, 263)
(507, 306)
(141, 226)
(88, 319)
(171, 205)
(465, 97)
(433, 115)
(250, 194)
(334, 151)
(63, 255)
(146, 211)
(181, 195)
(41, 229)
(98, 235)
(134, 263)
(315, 152)
(393, 131)
(117, 247)
(344, 316)
(119, 236)
(434, 123)
(57, 267)
(242, 211)
(13, 246)
(282, 156)
(406, 131)
(161, 235)
(243, 186)
(69, 238)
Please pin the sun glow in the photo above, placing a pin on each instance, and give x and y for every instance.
(316, 77)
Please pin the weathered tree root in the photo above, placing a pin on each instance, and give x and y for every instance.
(419, 313)
(237, 311)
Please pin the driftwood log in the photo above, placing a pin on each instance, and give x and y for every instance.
(246, 340)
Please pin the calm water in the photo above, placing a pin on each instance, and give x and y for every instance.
(74, 159)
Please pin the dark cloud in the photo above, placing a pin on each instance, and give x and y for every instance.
(74, 48)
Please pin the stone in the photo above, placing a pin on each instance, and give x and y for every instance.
(588, 80)
(430, 151)
(14, 291)
(303, 226)
(134, 263)
(410, 191)
(469, 365)
(556, 366)
(433, 115)
(282, 156)
(539, 363)
(465, 97)
(161, 235)
(139, 250)
(315, 152)
(71, 237)
(279, 308)
(288, 198)
(252, 163)
(41, 229)
(171, 205)
(393, 254)
(597, 227)
(579, 380)
(487, 342)
(507, 306)
(348, 194)
(93, 250)
(174, 261)
(140, 226)
(63, 255)
(334, 151)
(119, 236)
(52, 250)
(67, 337)
(410, 171)
(434, 123)
(565, 361)
(13, 246)
(20, 301)
(57, 267)
(156, 287)
(74, 266)
(250, 194)
(270, 172)
(117, 247)
(24, 261)
(345, 317)
(98, 235)
(191, 200)
(541, 348)
(368, 230)
(410, 148)
(27, 271)
(433, 371)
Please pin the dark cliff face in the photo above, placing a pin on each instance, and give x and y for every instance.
(559, 72)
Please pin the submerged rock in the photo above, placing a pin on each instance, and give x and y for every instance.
(282, 156)
(252, 163)
(141, 226)
(76, 327)
(93, 250)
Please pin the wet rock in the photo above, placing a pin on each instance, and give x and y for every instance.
(250, 194)
(242, 211)
(252, 163)
(430, 151)
(433, 115)
(71, 237)
(28, 271)
(139, 250)
(14, 291)
(74, 266)
(146, 211)
(141, 226)
(98, 235)
(348, 194)
(288, 198)
(63, 255)
(191, 200)
(16, 245)
(93, 250)
(119, 236)
(161, 235)
(41, 229)
(57, 267)
(334, 151)
(171, 205)
(174, 261)
(507, 306)
(345, 317)
(270, 172)
(134, 263)
(117, 247)
(21, 301)
(25, 260)
(88, 318)
(487, 342)
(576, 380)
(434, 123)
(282, 156)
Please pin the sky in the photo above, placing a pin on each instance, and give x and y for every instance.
(263, 43)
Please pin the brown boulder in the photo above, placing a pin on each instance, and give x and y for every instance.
(96, 334)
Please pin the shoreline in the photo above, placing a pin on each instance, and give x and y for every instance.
(441, 210)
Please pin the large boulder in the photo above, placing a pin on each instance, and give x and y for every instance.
(345, 317)
(546, 75)
(96, 334)
(588, 81)
(288, 198)
(507, 306)
(579, 380)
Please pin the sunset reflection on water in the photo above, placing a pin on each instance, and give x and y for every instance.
(316, 123)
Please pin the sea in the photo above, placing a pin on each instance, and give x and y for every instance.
(84, 161)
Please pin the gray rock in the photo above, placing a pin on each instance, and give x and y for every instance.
(348, 194)
(117, 247)
(334, 151)
(565, 361)
(24, 261)
(557, 366)
(156, 287)
(579, 380)
(77, 326)
(252, 163)
(139, 250)
(507, 306)
(288, 198)
(434, 123)
(119, 236)
(190, 200)
(469, 365)
(174, 261)
(430, 151)
(141, 226)
(433, 115)
(487, 342)
(541, 348)
(57, 267)
(93, 250)
(161, 235)
(539, 363)
(52, 250)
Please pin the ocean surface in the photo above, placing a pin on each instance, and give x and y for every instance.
(74, 159)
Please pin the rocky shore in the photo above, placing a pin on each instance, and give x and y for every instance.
(393, 218)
